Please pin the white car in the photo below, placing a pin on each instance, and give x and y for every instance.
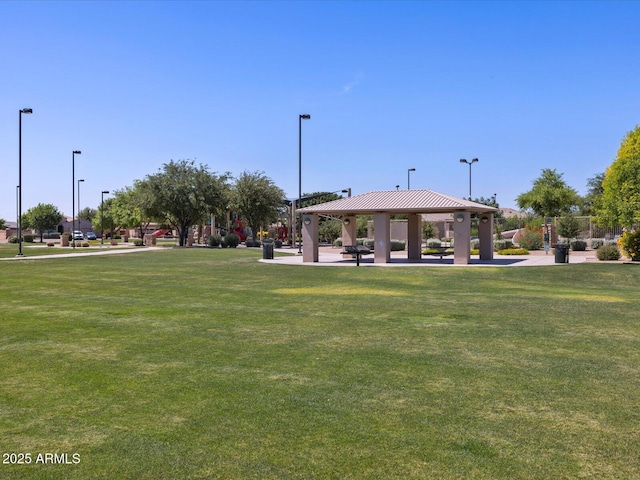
(78, 235)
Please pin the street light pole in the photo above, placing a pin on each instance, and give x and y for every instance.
(81, 180)
(26, 111)
(474, 160)
(73, 195)
(301, 117)
(102, 217)
(409, 177)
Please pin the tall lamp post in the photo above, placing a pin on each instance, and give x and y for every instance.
(102, 217)
(25, 111)
(81, 180)
(462, 160)
(304, 116)
(409, 177)
(73, 194)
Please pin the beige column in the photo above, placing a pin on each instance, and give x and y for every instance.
(381, 238)
(349, 230)
(414, 236)
(485, 236)
(309, 238)
(461, 237)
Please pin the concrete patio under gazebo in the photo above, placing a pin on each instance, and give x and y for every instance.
(413, 203)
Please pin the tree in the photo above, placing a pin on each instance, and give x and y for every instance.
(132, 208)
(620, 202)
(594, 194)
(256, 199)
(87, 213)
(569, 227)
(41, 218)
(550, 196)
(185, 194)
(104, 219)
(3, 223)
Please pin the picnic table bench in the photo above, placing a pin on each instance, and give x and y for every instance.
(356, 251)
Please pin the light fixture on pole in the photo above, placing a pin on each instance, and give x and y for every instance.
(102, 217)
(301, 117)
(25, 111)
(73, 195)
(462, 160)
(81, 180)
(409, 177)
(347, 191)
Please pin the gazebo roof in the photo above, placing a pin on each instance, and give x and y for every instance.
(398, 201)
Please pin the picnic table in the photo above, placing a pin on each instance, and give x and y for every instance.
(356, 251)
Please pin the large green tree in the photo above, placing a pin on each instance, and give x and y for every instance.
(133, 208)
(186, 194)
(256, 199)
(41, 218)
(620, 202)
(550, 196)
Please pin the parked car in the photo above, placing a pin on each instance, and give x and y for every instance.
(78, 235)
(91, 236)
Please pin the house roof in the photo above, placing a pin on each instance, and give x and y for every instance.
(398, 201)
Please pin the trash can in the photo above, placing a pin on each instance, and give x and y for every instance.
(562, 252)
(267, 251)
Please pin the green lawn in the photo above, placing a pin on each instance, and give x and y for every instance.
(201, 363)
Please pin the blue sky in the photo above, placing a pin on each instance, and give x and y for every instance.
(389, 86)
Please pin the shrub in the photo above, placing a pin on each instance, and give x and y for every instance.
(433, 242)
(578, 245)
(137, 242)
(608, 252)
(630, 243)
(502, 244)
(13, 239)
(27, 238)
(277, 243)
(51, 244)
(231, 240)
(214, 240)
(51, 236)
(475, 244)
(596, 243)
(116, 237)
(532, 238)
(474, 251)
(337, 242)
(513, 251)
(249, 242)
(398, 245)
(84, 244)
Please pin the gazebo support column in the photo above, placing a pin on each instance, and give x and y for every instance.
(382, 240)
(310, 238)
(461, 238)
(349, 231)
(414, 236)
(485, 236)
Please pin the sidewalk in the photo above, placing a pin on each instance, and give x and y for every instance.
(331, 257)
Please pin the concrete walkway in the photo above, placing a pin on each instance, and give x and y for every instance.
(331, 257)
(86, 252)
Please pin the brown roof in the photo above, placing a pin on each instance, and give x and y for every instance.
(397, 201)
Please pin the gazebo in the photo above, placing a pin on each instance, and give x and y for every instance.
(413, 203)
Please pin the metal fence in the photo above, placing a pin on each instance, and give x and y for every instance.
(588, 226)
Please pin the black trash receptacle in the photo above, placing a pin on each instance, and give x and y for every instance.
(562, 252)
(267, 251)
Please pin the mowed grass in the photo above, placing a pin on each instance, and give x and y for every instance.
(201, 363)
